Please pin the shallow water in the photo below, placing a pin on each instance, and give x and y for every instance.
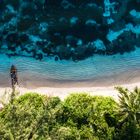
(95, 67)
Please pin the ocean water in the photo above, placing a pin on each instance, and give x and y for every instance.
(93, 68)
(78, 34)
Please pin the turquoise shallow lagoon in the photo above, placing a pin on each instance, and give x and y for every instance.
(94, 71)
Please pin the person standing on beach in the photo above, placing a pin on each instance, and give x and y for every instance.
(14, 78)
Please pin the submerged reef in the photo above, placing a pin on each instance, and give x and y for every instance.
(69, 29)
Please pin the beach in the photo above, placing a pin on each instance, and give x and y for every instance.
(63, 92)
(104, 86)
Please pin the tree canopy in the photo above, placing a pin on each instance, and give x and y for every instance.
(79, 117)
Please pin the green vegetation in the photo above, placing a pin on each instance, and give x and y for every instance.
(78, 117)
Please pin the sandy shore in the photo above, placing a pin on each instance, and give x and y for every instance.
(63, 92)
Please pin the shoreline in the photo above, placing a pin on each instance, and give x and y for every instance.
(94, 71)
(30, 81)
(103, 86)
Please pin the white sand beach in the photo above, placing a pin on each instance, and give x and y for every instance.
(62, 92)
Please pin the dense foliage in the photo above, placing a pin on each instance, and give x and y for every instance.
(78, 117)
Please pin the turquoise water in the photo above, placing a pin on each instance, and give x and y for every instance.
(93, 68)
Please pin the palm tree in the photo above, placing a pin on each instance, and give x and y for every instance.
(129, 104)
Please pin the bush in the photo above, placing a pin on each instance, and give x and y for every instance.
(22, 119)
(83, 110)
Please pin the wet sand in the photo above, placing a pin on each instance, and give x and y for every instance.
(29, 80)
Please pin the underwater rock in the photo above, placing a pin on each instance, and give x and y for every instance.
(68, 29)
